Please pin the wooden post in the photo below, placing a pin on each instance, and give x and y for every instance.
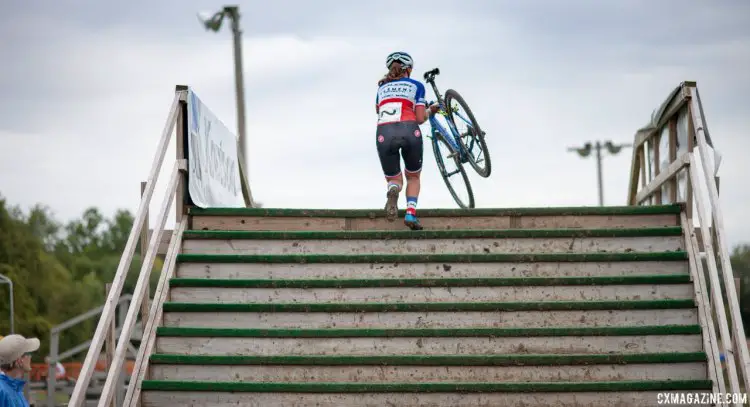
(146, 303)
(180, 149)
(110, 341)
(673, 156)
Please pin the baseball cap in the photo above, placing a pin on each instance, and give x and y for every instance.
(14, 346)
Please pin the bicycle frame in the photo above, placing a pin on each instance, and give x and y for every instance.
(452, 136)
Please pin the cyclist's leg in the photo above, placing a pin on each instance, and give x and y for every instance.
(412, 154)
(391, 165)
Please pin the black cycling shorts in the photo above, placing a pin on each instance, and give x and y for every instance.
(404, 136)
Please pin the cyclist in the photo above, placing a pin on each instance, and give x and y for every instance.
(400, 105)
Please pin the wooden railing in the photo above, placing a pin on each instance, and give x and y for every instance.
(674, 160)
(176, 192)
(56, 355)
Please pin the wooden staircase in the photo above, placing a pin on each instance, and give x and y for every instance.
(487, 307)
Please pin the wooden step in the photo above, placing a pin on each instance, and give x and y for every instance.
(443, 241)
(214, 393)
(421, 341)
(323, 271)
(494, 307)
(454, 399)
(437, 315)
(433, 258)
(435, 219)
(433, 290)
(632, 395)
(417, 369)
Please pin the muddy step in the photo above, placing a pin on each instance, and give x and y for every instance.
(482, 341)
(432, 315)
(432, 290)
(435, 219)
(410, 369)
(446, 241)
(433, 258)
(293, 271)
(155, 398)
(566, 394)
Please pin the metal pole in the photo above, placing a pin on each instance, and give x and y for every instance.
(54, 354)
(599, 172)
(12, 312)
(585, 151)
(234, 15)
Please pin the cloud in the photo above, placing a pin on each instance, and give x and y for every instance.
(86, 96)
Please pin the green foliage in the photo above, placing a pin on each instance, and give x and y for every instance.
(59, 270)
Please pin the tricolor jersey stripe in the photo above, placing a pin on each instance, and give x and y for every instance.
(397, 100)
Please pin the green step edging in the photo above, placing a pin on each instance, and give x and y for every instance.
(189, 332)
(431, 306)
(433, 258)
(431, 282)
(434, 234)
(432, 360)
(380, 213)
(532, 387)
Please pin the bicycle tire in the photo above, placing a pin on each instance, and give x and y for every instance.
(485, 172)
(436, 138)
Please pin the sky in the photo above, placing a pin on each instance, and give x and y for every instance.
(86, 87)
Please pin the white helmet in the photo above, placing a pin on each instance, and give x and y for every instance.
(401, 57)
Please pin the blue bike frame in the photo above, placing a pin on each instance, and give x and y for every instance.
(451, 136)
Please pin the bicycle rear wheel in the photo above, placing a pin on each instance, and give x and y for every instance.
(466, 201)
(472, 138)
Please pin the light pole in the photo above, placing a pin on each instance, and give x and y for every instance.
(585, 151)
(10, 284)
(213, 23)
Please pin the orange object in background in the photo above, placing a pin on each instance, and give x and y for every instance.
(72, 370)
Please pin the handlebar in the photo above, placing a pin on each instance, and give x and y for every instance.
(430, 75)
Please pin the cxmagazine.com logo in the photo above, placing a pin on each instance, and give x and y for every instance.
(700, 398)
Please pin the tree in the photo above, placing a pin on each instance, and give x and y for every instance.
(59, 271)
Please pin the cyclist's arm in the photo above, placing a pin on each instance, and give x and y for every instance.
(421, 112)
(419, 104)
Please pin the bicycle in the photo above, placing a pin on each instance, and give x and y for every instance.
(460, 151)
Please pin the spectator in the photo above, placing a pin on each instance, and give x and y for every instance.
(15, 361)
(59, 368)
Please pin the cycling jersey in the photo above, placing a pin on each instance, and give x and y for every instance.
(397, 100)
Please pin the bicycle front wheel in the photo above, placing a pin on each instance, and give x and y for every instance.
(473, 137)
(459, 187)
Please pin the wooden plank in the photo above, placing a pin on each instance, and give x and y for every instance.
(110, 343)
(715, 288)
(146, 233)
(397, 320)
(166, 237)
(673, 156)
(140, 372)
(139, 292)
(228, 222)
(663, 177)
(434, 295)
(89, 364)
(699, 238)
(413, 246)
(154, 398)
(415, 374)
(710, 343)
(318, 271)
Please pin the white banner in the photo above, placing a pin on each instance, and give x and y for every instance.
(214, 174)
